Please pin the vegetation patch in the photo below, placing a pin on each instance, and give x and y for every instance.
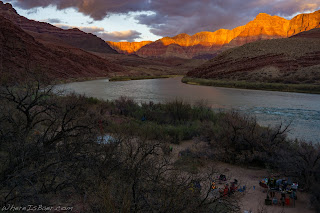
(50, 152)
(301, 88)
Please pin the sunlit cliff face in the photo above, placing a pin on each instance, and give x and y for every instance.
(128, 47)
(262, 27)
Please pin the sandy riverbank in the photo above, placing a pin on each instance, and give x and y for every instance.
(253, 198)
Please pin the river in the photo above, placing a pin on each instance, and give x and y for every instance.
(269, 107)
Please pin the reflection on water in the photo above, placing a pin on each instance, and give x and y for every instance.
(270, 108)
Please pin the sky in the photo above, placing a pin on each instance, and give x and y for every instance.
(140, 20)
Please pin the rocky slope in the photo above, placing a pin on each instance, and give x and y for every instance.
(208, 44)
(73, 37)
(289, 60)
(314, 33)
(21, 53)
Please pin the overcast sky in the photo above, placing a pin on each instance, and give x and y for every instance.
(137, 20)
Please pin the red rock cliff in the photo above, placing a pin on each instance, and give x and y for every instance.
(127, 47)
(74, 37)
(304, 22)
(263, 27)
(20, 53)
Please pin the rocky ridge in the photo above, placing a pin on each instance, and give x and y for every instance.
(21, 53)
(48, 32)
(128, 48)
(208, 44)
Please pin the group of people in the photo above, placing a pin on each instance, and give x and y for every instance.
(230, 190)
(283, 186)
(227, 190)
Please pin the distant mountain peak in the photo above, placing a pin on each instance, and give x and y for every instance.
(263, 16)
(128, 47)
(266, 18)
(263, 27)
(182, 35)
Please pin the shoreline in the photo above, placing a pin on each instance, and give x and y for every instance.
(113, 78)
(73, 80)
(280, 87)
(133, 78)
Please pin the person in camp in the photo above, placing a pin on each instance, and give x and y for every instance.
(272, 183)
(195, 186)
(285, 184)
(226, 190)
(235, 181)
(278, 183)
(233, 187)
(213, 185)
(222, 177)
(283, 197)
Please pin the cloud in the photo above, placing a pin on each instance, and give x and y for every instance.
(171, 17)
(97, 9)
(128, 35)
(64, 26)
(92, 29)
(88, 29)
(52, 20)
(32, 11)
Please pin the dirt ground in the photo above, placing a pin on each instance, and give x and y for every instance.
(254, 196)
(252, 200)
